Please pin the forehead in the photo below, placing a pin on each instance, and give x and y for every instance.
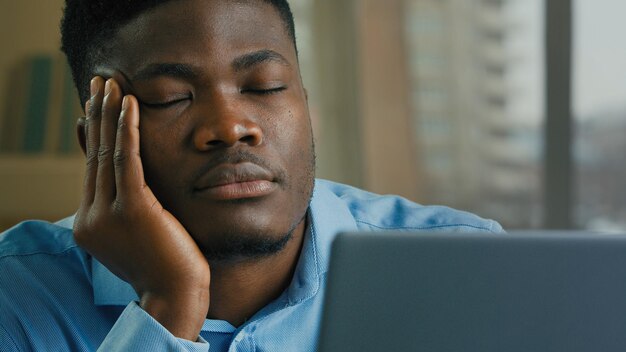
(199, 32)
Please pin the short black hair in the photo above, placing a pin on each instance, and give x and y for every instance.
(87, 24)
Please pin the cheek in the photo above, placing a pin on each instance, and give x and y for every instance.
(161, 135)
(160, 150)
(297, 148)
(288, 126)
(298, 135)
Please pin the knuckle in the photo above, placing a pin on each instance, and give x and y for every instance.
(119, 158)
(91, 158)
(104, 151)
(118, 207)
(120, 210)
(124, 212)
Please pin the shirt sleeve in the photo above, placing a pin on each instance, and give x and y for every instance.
(136, 330)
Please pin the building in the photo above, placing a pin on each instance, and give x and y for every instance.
(473, 154)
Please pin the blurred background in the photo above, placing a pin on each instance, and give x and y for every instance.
(512, 109)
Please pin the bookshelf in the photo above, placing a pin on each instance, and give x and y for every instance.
(41, 166)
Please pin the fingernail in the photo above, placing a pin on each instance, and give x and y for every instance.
(108, 87)
(93, 88)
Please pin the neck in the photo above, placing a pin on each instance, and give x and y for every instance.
(240, 290)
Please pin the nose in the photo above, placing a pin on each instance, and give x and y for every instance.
(224, 125)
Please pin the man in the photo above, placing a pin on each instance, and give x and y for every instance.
(201, 224)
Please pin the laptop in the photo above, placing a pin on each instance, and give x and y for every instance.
(521, 291)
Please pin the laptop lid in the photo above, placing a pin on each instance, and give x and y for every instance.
(465, 292)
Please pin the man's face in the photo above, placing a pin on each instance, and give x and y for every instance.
(226, 140)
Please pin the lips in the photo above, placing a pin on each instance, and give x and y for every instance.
(235, 181)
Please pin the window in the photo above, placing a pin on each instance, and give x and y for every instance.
(599, 109)
(480, 151)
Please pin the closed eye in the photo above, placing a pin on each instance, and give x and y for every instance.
(166, 104)
(264, 91)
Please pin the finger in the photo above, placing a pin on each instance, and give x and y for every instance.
(92, 133)
(129, 177)
(111, 107)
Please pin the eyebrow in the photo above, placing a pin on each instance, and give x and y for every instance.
(185, 71)
(174, 70)
(247, 61)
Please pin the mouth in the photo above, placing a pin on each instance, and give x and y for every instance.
(235, 182)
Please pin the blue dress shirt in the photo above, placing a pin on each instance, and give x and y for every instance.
(56, 297)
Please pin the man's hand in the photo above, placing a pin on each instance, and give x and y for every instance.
(122, 224)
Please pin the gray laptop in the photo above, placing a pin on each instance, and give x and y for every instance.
(488, 293)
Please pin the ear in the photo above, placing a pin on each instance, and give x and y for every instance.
(81, 134)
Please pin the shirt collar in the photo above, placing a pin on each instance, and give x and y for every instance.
(328, 215)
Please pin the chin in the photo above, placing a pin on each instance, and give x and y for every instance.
(239, 243)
